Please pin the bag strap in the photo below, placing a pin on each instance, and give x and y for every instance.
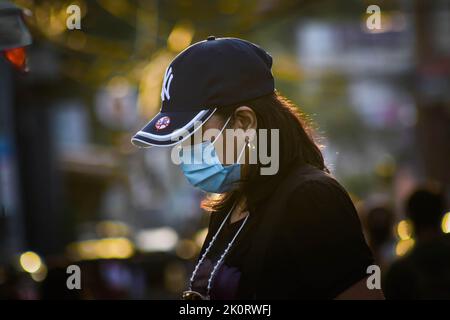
(267, 221)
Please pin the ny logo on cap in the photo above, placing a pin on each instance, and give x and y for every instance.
(166, 84)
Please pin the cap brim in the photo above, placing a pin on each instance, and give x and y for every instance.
(170, 128)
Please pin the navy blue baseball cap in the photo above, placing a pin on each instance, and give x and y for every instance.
(203, 78)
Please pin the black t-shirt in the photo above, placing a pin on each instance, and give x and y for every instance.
(316, 250)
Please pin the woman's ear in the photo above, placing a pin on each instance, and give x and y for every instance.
(244, 118)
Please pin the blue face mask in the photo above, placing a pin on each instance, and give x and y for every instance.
(206, 172)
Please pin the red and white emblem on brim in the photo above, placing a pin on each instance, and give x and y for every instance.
(162, 123)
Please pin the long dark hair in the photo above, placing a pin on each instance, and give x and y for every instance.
(296, 146)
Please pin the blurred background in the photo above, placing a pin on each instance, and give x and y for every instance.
(73, 190)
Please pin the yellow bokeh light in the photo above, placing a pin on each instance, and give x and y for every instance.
(186, 249)
(404, 230)
(180, 37)
(108, 248)
(286, 68)
(40, 274)
(112, 229)
(30, 262)
(51, 19)
(386, 169)
(403, 246)
(446, 223)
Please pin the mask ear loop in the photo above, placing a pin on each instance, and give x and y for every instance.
(179, 146)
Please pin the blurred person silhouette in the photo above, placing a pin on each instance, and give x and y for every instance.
(424, 272)
(378, 224)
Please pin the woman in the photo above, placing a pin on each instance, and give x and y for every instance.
(290, 234)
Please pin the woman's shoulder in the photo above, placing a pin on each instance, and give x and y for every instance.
(318, 192)
(310, 180)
